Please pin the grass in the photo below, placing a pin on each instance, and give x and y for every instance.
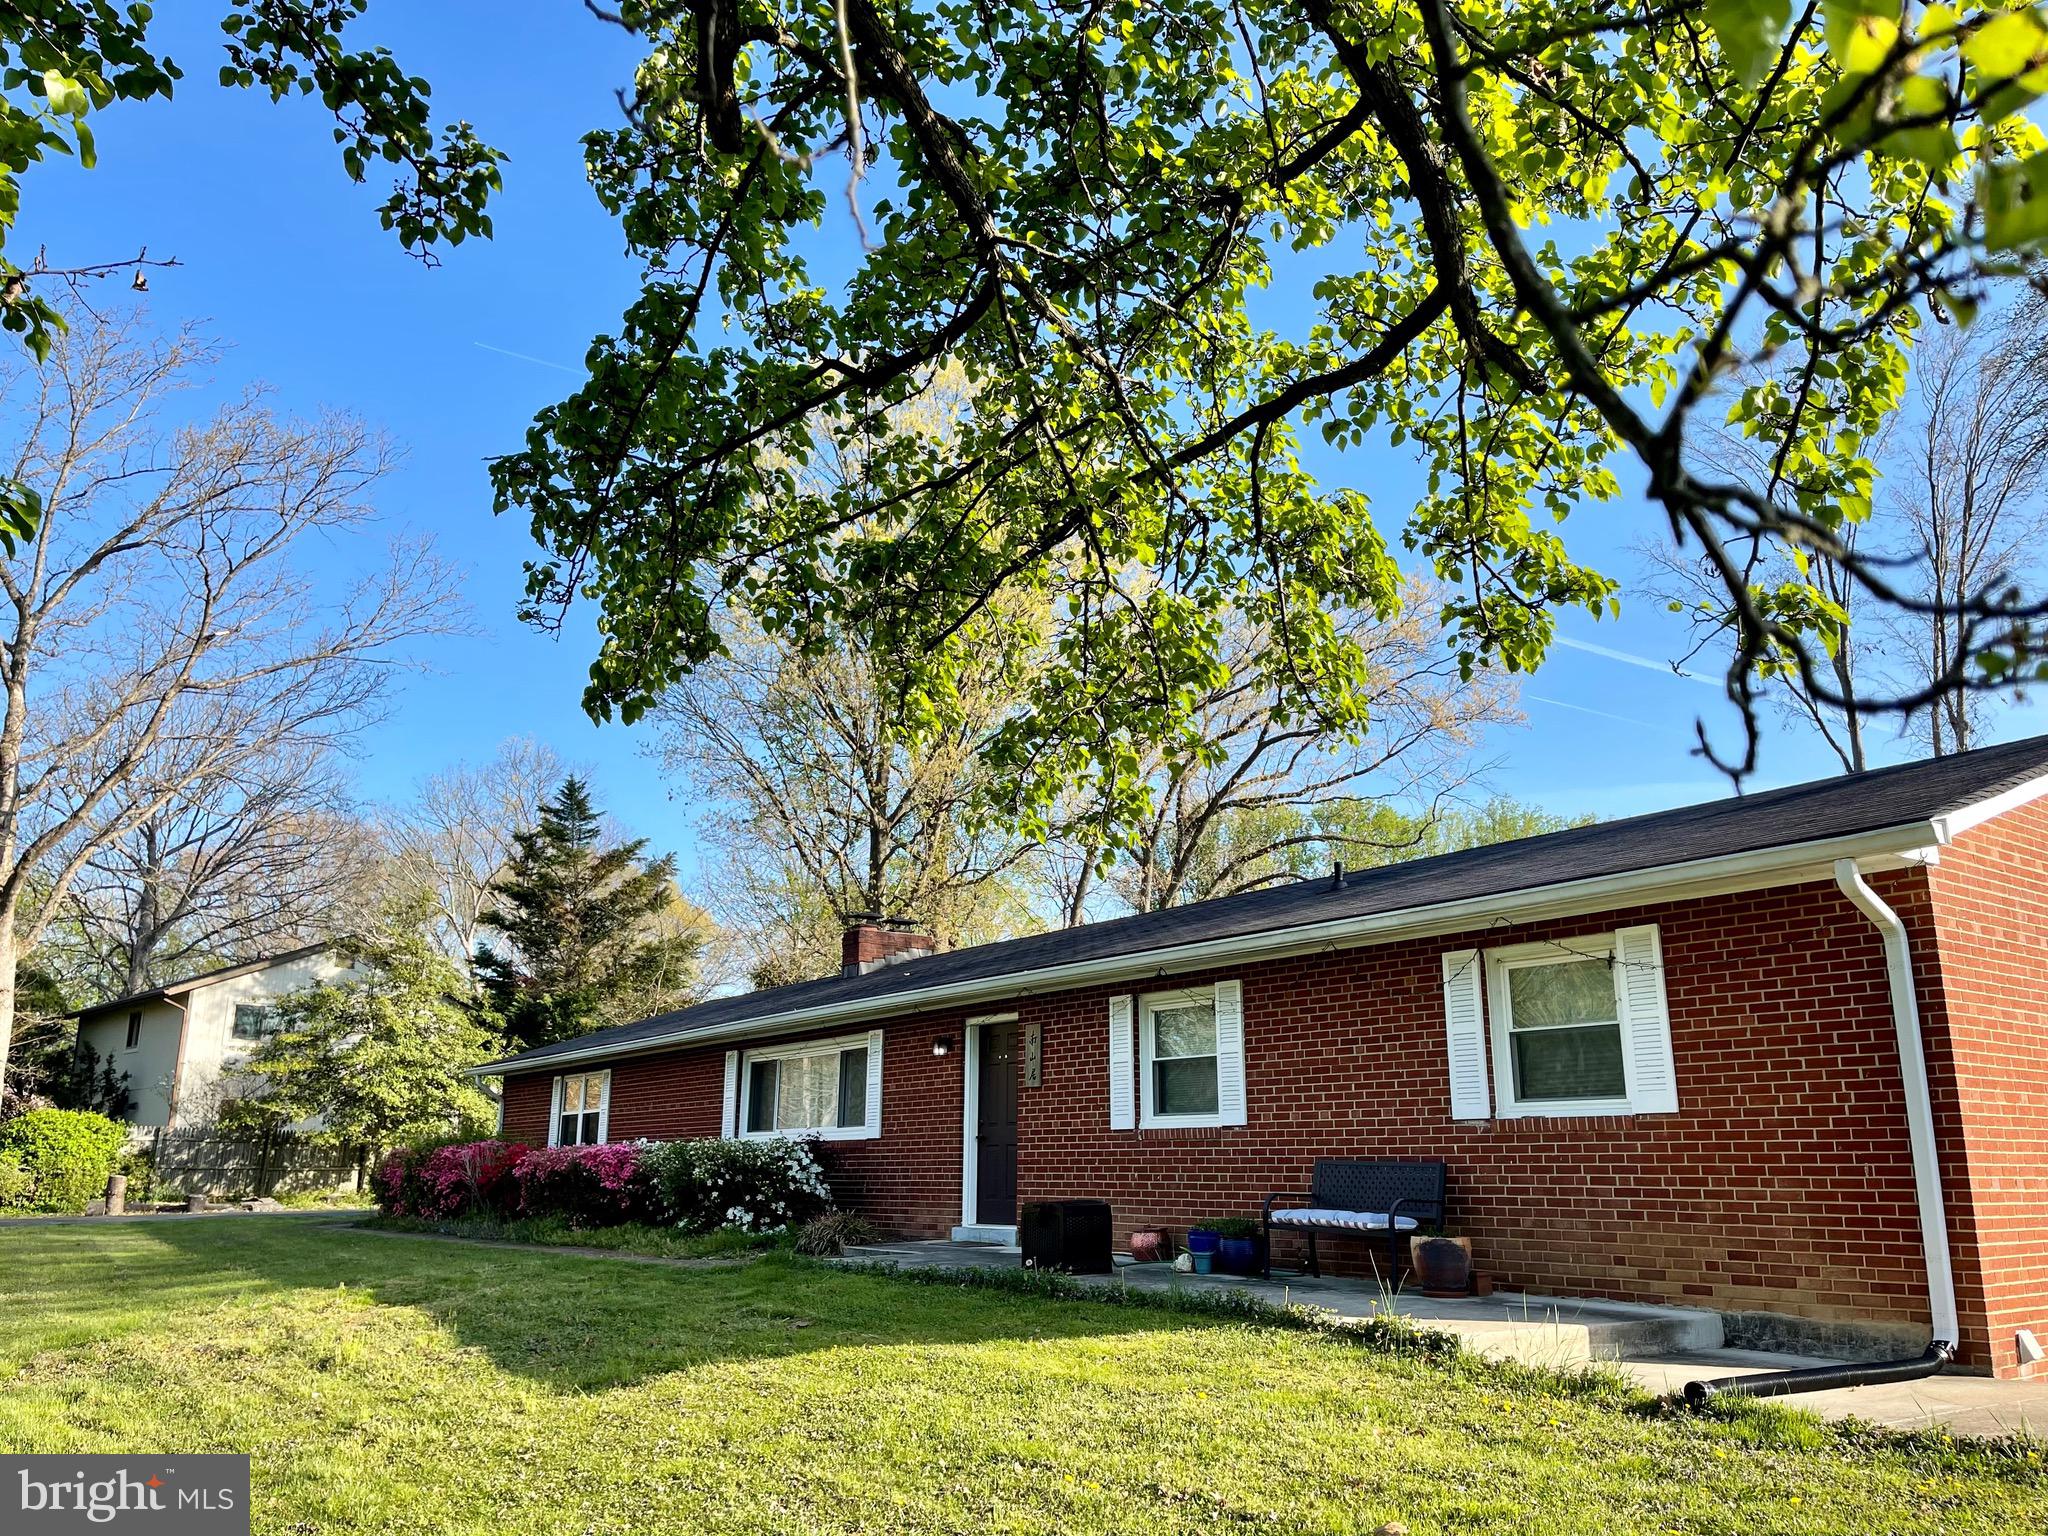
(326, 1200)
(555, 1232)
(385, 1384)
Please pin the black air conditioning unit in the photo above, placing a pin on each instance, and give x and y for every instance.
(1072, 1235)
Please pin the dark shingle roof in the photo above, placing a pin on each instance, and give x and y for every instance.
(1801, 813)
(204, 978)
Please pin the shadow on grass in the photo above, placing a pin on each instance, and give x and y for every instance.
(575, 1325)
(562, 1320)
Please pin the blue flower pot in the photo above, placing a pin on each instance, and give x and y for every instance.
(1238, 1255)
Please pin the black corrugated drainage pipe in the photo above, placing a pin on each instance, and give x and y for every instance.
(1819, 1378)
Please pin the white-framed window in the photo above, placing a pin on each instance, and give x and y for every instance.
(255, 1021)
(1177, 1049)
(1580, 1026)
(825, 1088)
(582, 1109)
(1191, 1057)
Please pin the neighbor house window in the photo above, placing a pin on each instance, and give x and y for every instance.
(816, 1088)
(255, 1021)
(1177, 1043)
(134, 1030)
(582, 1102)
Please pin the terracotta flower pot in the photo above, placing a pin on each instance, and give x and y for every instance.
(1443, 1265)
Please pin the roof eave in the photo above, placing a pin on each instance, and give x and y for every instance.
(1976, 812)
(172, 991)
(1905, 843)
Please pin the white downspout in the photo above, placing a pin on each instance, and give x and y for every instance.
(1941, 1280)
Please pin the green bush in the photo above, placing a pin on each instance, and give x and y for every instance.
(67, 1154)
(140, 1166)
(15, 1184)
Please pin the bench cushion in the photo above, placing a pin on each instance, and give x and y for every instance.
(1354, 1221)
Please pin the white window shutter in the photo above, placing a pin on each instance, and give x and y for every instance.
(874, 1121)
(1123, 1104)
(1646, 1018)
(1465, 1034)
(1230, 1052)
(729, 1121)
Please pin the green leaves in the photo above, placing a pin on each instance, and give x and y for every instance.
(65, 94)
(21, 513)
(1924, 104)
(2012, 45)
(1088, 226)
(1860, 33)
(1749, 32)
(2015, 199)
(2007, 57)
(378, 1054)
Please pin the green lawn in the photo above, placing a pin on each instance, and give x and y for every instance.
(397, 1384)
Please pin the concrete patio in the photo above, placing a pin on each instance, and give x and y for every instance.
(1661, 1348)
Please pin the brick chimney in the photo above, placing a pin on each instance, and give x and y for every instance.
(871, 942)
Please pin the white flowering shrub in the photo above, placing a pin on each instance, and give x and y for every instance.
(744, 1186)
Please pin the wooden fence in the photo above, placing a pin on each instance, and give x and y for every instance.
(228, 1167)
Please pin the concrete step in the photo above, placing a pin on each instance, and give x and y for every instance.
(1560, 1330)
(1000, 1237)
(1539, 1330)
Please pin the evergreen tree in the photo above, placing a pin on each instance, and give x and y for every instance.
(379, 1054)
(91, 1083)
(592, 935)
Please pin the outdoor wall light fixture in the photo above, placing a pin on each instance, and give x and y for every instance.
(943, 1046)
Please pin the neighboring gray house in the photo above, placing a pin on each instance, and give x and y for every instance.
(180, 1042)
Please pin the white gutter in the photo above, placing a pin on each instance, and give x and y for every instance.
(1941, 1280)
(1782, 865)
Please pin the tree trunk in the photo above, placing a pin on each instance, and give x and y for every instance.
(8, 959)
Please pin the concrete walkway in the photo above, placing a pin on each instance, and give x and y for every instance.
(1660, 1348)
(1538, 1330)
(1960, 1404)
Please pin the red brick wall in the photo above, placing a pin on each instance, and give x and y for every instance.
(907, 1179)
(1784, 1183)
(1987, 1025)
(526, 1103)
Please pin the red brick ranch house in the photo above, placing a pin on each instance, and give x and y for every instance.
(1784, 1056)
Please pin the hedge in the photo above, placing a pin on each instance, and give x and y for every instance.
(690, 1186)
(66, 1155)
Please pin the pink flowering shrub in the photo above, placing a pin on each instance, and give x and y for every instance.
(471, 1178)
(592, 1186)
(395, 1182)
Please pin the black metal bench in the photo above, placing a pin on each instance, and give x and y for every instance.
(1350, 1198)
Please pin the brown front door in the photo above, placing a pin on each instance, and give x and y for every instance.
(995, 1185)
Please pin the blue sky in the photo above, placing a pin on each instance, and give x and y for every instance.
(281, 258)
